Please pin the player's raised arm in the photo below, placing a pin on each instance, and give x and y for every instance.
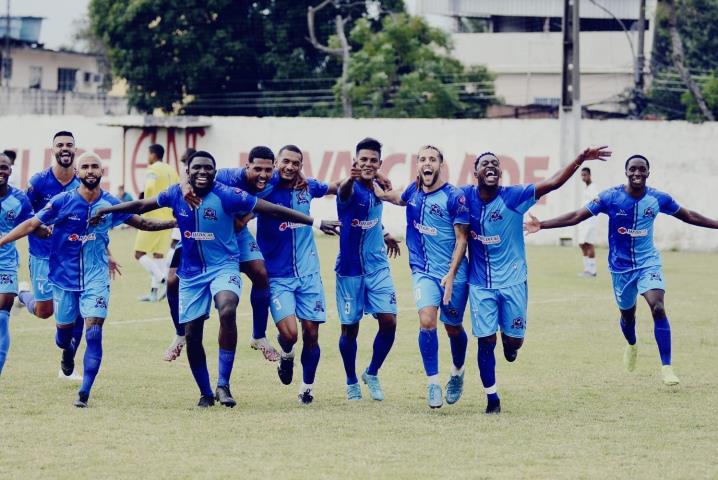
(695, 218)
(461, 231)
(566, 220)
(23, 230)
(150, 224)
(330, 227)
(391, 196)
(559, 178)
(346, 187)
(137, 207)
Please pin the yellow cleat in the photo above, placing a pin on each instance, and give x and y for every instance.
(669, 378)
(630, 355)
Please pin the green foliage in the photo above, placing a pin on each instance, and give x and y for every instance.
(709, 87)
(404, 70)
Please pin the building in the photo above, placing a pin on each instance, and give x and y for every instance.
(520, 42)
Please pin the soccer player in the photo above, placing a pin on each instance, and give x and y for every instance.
(12, 155)
(587, 229)
(15, 208)
(42, 187)
(363, 280)
(151, 246)
(79, 266)
(633, 260)
(209, 268)
(436, 235)
(498, 291)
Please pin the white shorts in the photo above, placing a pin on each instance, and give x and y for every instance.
(587, 231)
(176, 234)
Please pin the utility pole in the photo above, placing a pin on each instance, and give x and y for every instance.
(638, 99)
(5, 67)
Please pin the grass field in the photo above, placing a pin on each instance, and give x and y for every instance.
(569, 409)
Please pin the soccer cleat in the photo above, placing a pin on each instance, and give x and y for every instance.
(285, 369)
(162, 290)
(75, 375)
(21, 288)
(433, 396)
(669, 378)
(67, 362)
(206, 401)
(493, 407)
(630, 355)
(81, 401)
(372, 383)
(224, 396)
(175, 349)
(150, 297)
(354, 391)
(454, 388)
(306, 395)
(263, 345)
(587, 275)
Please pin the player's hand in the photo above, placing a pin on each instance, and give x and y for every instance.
(301, 183)
(392, 246)
(43, 231)
(330, 227)
(95, 219)
(241, 222)
(383, 181)
(599, 153)
(448, 284)
(355, 172)
(189, 196)
(114, 267)
(532, 226)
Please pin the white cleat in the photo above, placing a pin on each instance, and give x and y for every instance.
(175, 349)
(74, 376)
(669, 378)
(263, 345)
(630, 355)
(22, 287)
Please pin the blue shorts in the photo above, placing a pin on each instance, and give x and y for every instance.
(196, 293)
(628, 285)
(248, 248)
(8, 282)
(365, 295)
(428, 292)
(39, 270)
(299, 296)
(90, 302)
(494, 308)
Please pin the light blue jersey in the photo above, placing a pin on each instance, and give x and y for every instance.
(430, 236)
(288, 248)
(497, 253)
(80, 249)
(15, 208)
(630, 226)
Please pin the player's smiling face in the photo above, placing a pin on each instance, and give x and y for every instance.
(488, 170)
(201, 173)
(288, 164)
(429, 163)
(368, 162)
(63, 148)
(5, 169)
(89, 171)
(637, 172)
(259, 171)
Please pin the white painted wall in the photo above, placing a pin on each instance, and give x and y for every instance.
(682, 155)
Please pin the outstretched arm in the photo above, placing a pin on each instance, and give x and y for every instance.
(346, 187)
(391, 196)
(22, 230)
(136, 206)
(284, 213)
(461, 231)
(695, 218)
(562, 176)
(150, 224)
(567, 220)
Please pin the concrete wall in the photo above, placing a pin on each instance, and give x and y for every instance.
(682, 155)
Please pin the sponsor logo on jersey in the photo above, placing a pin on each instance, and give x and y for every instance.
(632, 232)
(649, 213)
(74, 217)
(490, 240)
(621, 213)
(364, 224)
(209, 214)
(292, 225)
(424, 229)
(73, 237)
(200, 236)
(183, 213)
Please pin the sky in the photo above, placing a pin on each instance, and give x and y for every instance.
(58, 14)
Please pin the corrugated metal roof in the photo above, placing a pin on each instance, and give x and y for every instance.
(625, 9)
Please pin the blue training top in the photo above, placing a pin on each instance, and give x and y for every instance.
(15, 208)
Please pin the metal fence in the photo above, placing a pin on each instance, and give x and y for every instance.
(22, 101)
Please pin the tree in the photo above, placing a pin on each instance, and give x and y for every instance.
(404, 70)
(709, 91)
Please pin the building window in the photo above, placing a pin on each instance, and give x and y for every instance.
(66, 78)
(36, 77)
(88, 77)
(6, 68)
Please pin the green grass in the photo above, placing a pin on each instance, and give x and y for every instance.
(570, 411)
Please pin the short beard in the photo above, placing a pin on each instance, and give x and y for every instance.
(59, 161)
(433, 182)
(90, 186)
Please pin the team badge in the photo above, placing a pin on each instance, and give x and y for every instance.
(10, 215)
(495, 216)
(656, 277)
(392, 298)
(100, 302)
(318, 307)
(210, 214)
(5, 279)
(649, 213)
(302, 197)
(436, 210)
(518, 323)
(253, 247)
(234, 279)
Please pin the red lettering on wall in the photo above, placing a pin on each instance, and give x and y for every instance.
(342, 166)
(390, 162)
(509, 165)
(466, 174)
(25, 176)
(307, 164)
(531, 165)
(324, 168)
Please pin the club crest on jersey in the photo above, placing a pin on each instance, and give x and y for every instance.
(426, 230)
(285, 225)
(10, 215)
(596, 201)
(495, 216)
(73, 237)
(234, 279)
(209, 214)
(318, 307)
(253, 247)
(364, 224)
(633, 232)
(100, 302)
(649, 213)
(200, 236)
(656, 277)
(5, 279)
(392, 298)
(435, 210)
(518, 323)
(302, 197)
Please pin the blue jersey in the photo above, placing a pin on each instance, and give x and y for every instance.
(15, 208)
(208, 240)
(41, 188)
(497, 253)
(361, 242)
(288, 248)
(237, 178)
(430, 236)
(630, 226)
(79, 249)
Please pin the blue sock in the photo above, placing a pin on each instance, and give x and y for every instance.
(382, 345)
(173, 302)
(662, 331)
(348, 349)
(93, 357)
(310, 360)
(629, 331)
(4, 336)
(285, 346)
(63, 338)
(429, 348)
(458, 348)
(27, 299)
(259, 298)
(77, 330)
(226, 362)
(487, 367)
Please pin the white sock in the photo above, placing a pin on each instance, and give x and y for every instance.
(585, 264)
(162, 267)
(456, 371)
(305, 387)
(152, 268)
(433, 379)
(168, 259)
(592, 266)
(490, 390)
